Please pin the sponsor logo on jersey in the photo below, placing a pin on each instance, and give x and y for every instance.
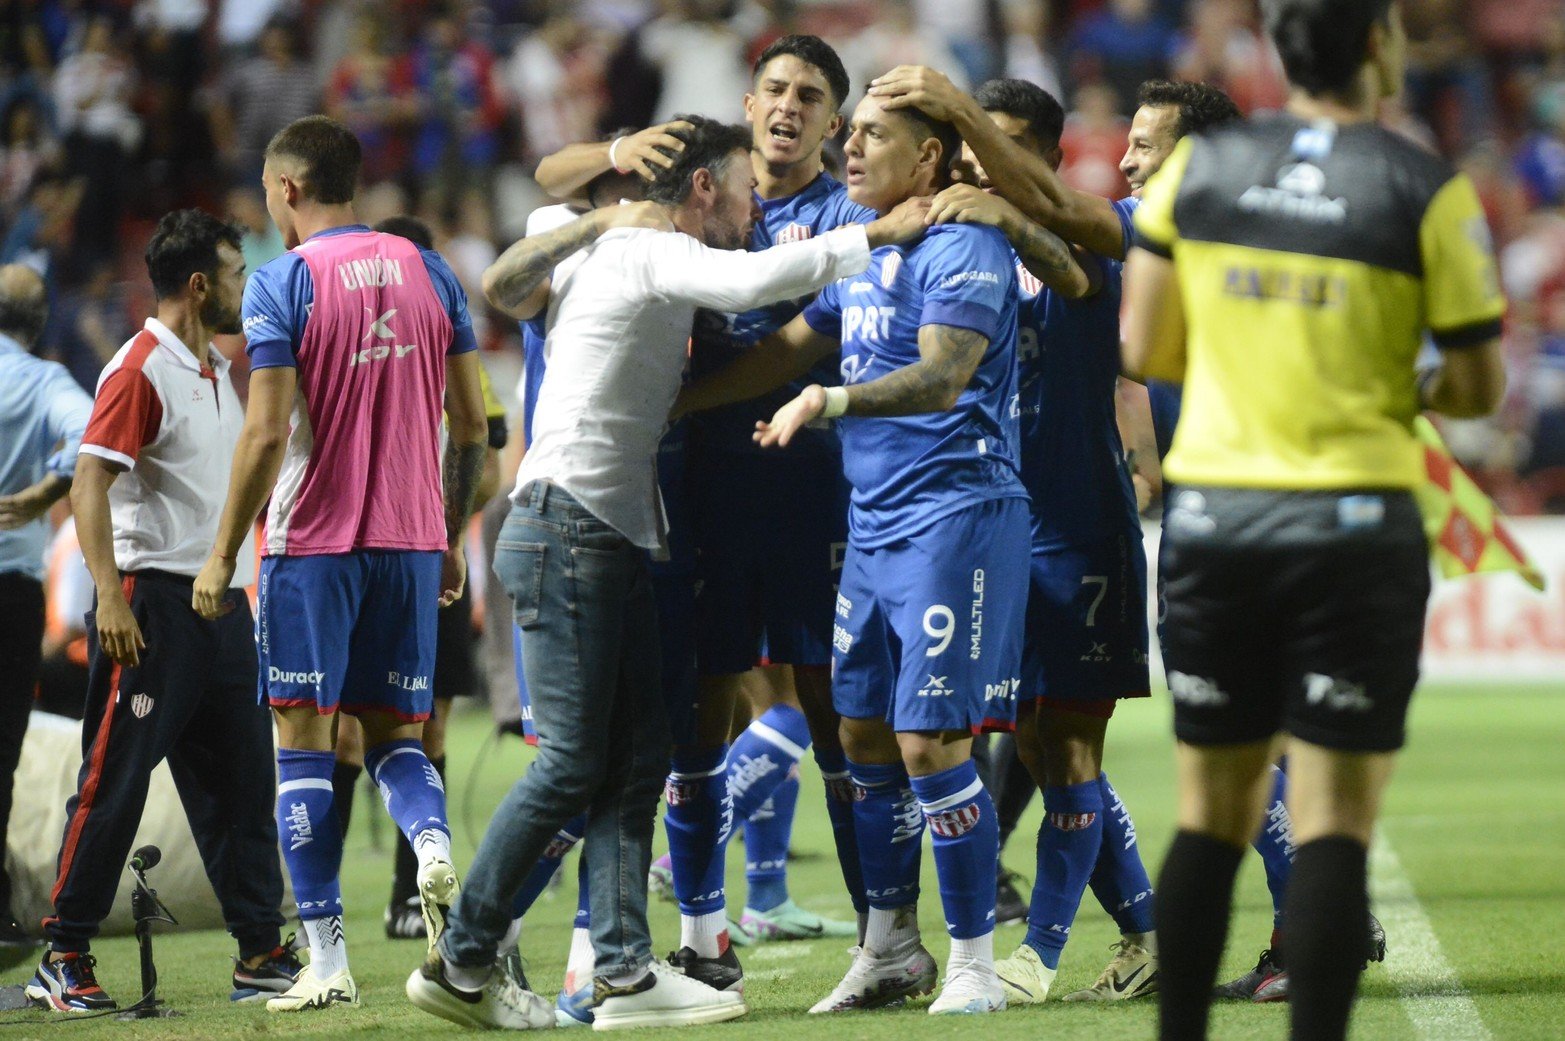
(988, 278)
(1005, 690)
(794, 233)
(276, 675)
(380, 329)
(844, 606)
(1300, 195)
(140, 705)
(854, 369)
(1098, 652)
(867, 323)
(861, 287)
(408, 683)
(1072, 821)
(935, 688)
(976, 635)
(956, 822)
(841, 639)
(1338, 695)
(1196, 691)
(253, 321)
(298, 823)
(370, 273)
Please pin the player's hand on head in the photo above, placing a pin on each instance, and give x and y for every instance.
(642, 151)
(209, 595)
(639, 215)
(902, 223)
(118, 633)
(966, 204)
(789, 419)
(929, 91)
(453, 575)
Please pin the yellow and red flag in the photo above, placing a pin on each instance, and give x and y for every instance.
(1467, 535)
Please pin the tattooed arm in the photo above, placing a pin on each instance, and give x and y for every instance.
(948, 357)
(518, 282)
(463, 466)
(1044, 253)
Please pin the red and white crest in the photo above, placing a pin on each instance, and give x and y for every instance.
(140, 705)
(954, 823)
(1027, 281)
(794, 233)
(889, 268)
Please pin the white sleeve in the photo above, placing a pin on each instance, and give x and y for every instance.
(736, 280)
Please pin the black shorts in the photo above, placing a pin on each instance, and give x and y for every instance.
(456, 662)
(1293, 611)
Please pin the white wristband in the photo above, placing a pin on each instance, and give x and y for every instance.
(836, 402)
(613, 145)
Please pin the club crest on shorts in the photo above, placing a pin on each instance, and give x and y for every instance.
(140, 705)
(954, 823)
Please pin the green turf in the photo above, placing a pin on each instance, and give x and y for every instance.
(1475, 816)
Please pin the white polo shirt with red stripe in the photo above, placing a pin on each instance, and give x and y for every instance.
(174, 423)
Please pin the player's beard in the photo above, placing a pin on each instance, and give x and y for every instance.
(221, 316)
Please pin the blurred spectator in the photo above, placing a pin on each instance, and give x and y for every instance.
(240, 22)
(556, 75)
(1540, 163)
(92, 99)
(88, 325)
(262, 242)
(259, 97)
(1122, 45)
(964, 26)
(1447, 81)
(456, 137)
(365, 94)
(1094, 143)
(897, 38)
(41, 234)
(701, 58)
(1224, 47)
(1027, 28)
(173, 62)
(27, 149)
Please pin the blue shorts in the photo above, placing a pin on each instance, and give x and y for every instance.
(353, 632)
(929, 629)
(1087, 623)
(675, 596)
(770, 536)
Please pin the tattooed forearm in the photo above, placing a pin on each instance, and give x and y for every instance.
(948, 358)
(464, 468)
(520, 269)
(1044, 252)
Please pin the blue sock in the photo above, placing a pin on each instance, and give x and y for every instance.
(1119, 879)
(1275, 844)
(890, 831)
(839, 809)
(766, 835)
(967, 846)
(1068, 842)
(308, 831)
(700, 816)
(583, 897)
(763, 757)
(537, 879)
(414, 794)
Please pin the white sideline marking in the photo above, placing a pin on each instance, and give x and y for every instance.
(764, 976)
(777, 952)
(1431, 992)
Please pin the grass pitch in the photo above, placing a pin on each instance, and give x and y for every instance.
(1476, 818)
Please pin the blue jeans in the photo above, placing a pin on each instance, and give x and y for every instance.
(590, 651)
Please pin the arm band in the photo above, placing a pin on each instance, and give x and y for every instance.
(836, 402)
(613, 147)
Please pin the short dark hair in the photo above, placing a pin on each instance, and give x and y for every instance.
(1042, 112)
(330, 154)
(709, 144)
(410, 228)
(185, 242)
(1323, 43)
(812, 50)
(1200, 105)
(926, 127)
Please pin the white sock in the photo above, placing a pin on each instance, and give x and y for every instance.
(513, 935)
(328, 950)
(979, 950)
(430, 845)
(465, 978)
(889, 929)
(1147, 940)
(580, 962)
(706, 934)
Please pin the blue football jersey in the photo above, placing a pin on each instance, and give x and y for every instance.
(1073, 461)
(533, 336)
(909, 471)
(718, 339)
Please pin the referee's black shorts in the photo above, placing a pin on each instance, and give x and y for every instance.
(1293, 611)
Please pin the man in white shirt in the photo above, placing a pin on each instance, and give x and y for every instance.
(163, 682)
(572, 555)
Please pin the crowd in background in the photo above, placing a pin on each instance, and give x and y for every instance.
(114, 112)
